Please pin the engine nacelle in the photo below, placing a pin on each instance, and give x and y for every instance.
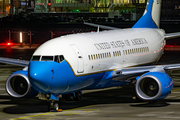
(153, 86)
(18, 85)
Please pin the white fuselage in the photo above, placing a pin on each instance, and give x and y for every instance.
(95, 52)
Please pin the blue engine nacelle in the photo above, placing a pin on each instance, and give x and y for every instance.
(18, 85)
(153, 86)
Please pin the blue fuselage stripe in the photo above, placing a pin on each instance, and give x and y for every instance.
(52, 77)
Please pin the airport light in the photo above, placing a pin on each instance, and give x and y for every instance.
(20, 37)
(8, 44)
(49, 5)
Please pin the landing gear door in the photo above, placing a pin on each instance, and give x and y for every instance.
(80, 60)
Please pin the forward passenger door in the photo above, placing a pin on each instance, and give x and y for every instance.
(80, 60)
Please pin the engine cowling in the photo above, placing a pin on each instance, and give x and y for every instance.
(153, 86)
(18, 85)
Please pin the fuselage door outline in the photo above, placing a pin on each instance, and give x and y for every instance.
(80, 59)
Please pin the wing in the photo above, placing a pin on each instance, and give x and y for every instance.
(172, 35)
(14, 61)
(167, 36)
(129, 73)
(101, 26)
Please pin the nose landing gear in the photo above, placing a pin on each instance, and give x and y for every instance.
(54, 106)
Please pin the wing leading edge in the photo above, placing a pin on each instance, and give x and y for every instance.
(172, 35)
(17, 62)
(101, 26)
(128, 73)
(167, 36)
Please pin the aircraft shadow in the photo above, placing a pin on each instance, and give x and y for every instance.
(112, 96)
(154, 104)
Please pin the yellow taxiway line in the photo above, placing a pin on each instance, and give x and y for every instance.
(68, 112)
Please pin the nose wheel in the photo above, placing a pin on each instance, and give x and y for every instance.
(53, 106)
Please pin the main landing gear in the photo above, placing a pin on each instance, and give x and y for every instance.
(76, 96)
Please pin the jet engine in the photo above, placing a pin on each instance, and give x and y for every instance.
(153, 86)
(18, 85)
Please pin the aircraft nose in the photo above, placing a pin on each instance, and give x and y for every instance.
(48, 76)
(40, 72)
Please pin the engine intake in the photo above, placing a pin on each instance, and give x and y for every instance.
(153, 86)
(18, 85)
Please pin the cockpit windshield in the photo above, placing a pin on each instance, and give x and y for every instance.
(59, 58)
(56, 58)
(35, 58)
(47, 58)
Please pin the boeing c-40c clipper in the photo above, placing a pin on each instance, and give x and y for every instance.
(72, 63)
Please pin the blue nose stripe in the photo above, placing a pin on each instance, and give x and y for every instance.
(39, 75)
(48, 77)
(40, 71)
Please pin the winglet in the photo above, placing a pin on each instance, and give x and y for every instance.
(151, 16)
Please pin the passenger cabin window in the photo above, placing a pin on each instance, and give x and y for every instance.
(35, 58)
(47, 58)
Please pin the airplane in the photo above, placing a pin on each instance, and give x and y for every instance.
(97, 60)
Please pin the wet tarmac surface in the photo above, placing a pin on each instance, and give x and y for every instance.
(106, 104)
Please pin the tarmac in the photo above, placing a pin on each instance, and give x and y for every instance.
(104, 104)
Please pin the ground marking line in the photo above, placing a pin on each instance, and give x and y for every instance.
(48, 113)
(26, 117)
(4, 94)
(175, 90)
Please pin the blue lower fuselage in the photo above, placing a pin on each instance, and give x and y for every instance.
(58, 78)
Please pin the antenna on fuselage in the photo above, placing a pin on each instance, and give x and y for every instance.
(98, 29)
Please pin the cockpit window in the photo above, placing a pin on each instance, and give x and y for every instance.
(56, 59)
(35, 58)
(59, 58)
(47, 58)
